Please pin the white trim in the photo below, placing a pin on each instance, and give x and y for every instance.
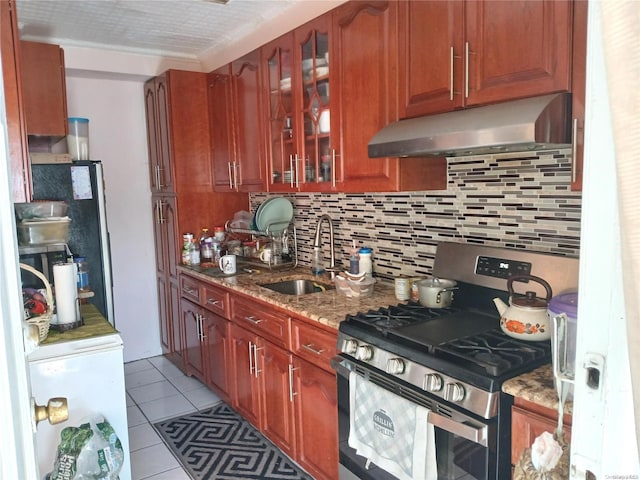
(17, 455)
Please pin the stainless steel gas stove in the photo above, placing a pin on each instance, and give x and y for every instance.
(451, 361)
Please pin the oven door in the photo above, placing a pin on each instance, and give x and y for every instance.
(465, 444)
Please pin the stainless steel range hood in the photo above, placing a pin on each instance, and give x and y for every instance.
(537, 123)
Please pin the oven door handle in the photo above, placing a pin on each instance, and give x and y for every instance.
(473, 433)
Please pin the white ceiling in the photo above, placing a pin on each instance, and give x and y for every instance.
(177, 28)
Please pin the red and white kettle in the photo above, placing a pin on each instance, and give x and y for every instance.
(526, 318)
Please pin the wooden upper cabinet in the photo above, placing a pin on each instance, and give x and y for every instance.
(158, 134)
(221, 127)
(44, 89)
(463, 53)
(178, 132)
(248, 119)
(16, 125)
(237, 125)
(430, 40)
(517, 49)
(365, 65)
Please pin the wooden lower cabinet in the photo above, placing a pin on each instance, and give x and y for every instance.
(217, 355)
(275, 370)
(193, 325)
(245, 390)
(271, 368)
(528, 421)
(316, 414)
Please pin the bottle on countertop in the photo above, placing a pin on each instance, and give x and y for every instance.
(317, 267)
(354, 259)
(206, 246)
(366, 263)
(82, 277)
(187, 241)
(194, 253)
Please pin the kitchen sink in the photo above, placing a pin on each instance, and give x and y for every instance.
(298, 286)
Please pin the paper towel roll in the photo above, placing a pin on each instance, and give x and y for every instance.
(65, 281)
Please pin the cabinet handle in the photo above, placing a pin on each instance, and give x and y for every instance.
(253, 320)
(256, 370)
(333, 167)
(574, 149)
(214, 302)
(190, 291)
(157, 212)
(291, 170)
(451, 56)
(202, 335)
(161, 205)
(309, 347)
(466, 70)
(160, 185)
(467, 52)
(291, 392)
(199, 326)
(156, 176)
(235, 174)
(230, 176)
(297, 171)
(250, 358)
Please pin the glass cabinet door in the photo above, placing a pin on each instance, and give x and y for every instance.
(315, 159)
(282, 119)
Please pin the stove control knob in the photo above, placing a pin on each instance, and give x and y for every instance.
(395, 366)
(453, 392)
(350, 346)
(432, 382)
(364, 353)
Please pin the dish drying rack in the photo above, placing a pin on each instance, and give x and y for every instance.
(288, 238)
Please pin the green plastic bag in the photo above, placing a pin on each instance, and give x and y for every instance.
(89, 452)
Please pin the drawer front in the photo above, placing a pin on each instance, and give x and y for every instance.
(216, 300)
(190, 288)
(313, 344)
(263, 321)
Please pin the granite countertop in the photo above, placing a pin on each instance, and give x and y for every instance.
(537, 387)
(328, 308)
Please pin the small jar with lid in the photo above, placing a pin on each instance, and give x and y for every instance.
(187, 241)
(83, 274)
(366, 262)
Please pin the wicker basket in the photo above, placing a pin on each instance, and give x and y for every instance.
(41, 321)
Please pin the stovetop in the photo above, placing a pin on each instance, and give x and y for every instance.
(464, 343)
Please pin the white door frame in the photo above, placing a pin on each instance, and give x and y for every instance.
(17, 455)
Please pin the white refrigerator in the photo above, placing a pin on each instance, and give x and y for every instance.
(89, 372)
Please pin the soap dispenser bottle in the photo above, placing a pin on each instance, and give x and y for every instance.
(354, 259)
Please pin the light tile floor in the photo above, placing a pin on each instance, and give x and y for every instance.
(158, 390)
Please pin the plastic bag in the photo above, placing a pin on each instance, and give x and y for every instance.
(88, 452)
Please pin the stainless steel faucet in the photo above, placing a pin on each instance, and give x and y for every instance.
(316, 240)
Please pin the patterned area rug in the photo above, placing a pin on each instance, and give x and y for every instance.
(219, 444)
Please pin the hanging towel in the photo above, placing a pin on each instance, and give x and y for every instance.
(390, 431)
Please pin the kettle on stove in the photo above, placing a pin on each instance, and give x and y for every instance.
(526, 318)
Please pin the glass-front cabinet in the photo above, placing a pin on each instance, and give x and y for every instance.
(301, 148)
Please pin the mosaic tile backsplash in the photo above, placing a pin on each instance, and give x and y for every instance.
(519, 201)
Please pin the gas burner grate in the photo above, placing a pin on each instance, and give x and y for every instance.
(495, 352)
(397, 316)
